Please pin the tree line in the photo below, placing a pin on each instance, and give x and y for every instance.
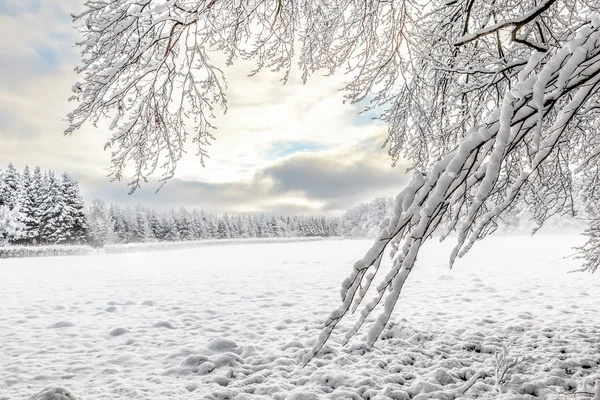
(41, 208)
(114, 224)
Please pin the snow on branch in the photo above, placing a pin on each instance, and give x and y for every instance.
(517, 23)
(481, 177)
(146, 65)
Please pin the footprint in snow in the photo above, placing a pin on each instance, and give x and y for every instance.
(163, 324)
(61, 324)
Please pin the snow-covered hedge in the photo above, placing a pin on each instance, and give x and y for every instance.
(44, 251)
(64, 250)
(155, 246)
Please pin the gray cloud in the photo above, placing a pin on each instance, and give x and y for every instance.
(325, 178)
(335, 180)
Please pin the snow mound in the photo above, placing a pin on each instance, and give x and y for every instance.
(118, 332)
(194, 360)
(55, 393)
(301, 395)
(163, 324)
(223, 345)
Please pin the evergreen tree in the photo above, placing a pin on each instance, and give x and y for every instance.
(184, 225)
(275, 226)
(242, 224)
(227, 224)
(170, 227)
(52, 211)
(26, 206)
(211, 226)
(99, 224)
(129, 223)
(118, 223)
(10, 187)
(252, 226)
(223, 229)
(11, 228)
(33, 227)
(155, 225)
(73, 222)
(138, 226)
(41, 180)
(198, 227)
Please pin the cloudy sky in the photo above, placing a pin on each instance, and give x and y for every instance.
(294, 148)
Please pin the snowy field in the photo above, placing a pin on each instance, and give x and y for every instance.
(233, 323)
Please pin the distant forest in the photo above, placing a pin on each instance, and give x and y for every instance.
(44, 208)
(41, 207)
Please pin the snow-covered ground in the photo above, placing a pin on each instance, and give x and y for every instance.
(233, 323)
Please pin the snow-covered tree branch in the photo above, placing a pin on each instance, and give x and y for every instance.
(523, 147)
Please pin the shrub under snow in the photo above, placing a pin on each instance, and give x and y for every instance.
(44, 251)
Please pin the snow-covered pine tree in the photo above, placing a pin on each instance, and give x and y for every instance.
(198, 226)
(223, 229)
(10, 186)
(241, 224)
(292, 225)
(234, 227)
(25, 205)
(53, 211)
(2, 188)
(274, 226)
(212, 226)
(251, 225)
(40, 182)
(365, 219)
(140, 229)
(11, 227)
(262, 226)
(129, 224)
(185, 227)
(99, 224)
(73, 220)
(169, 222)
(32, 202)
(118, 223)
(154, 223)
(227, 222)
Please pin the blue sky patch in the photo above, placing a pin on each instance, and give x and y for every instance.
(367, 117)
(14, 11)
(285, 148)
(47, 56)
